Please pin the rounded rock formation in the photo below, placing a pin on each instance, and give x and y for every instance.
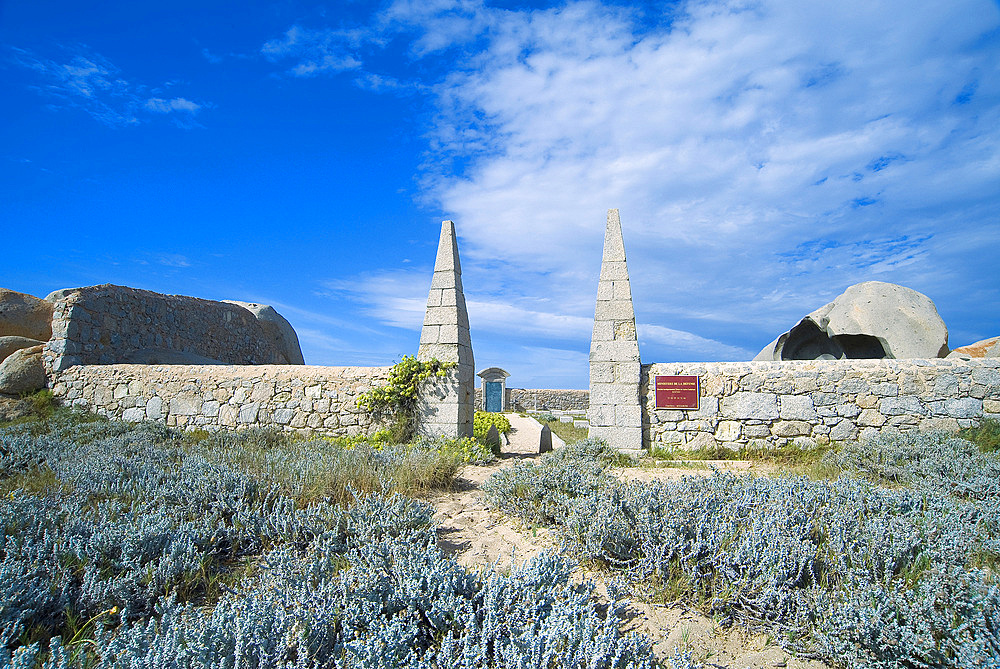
(869, 320)
(979, 349)
(23, 315)
(22, 372)
(10, 344)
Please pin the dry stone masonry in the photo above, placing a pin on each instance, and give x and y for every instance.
(100, 325)
(770, 404)
(615, 414)
(320, 400)
(530, 399)
(447, 406)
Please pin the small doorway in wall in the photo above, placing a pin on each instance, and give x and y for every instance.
(494, 396)
(494, 389)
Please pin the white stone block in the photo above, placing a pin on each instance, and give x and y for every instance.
(603, 331)
(628, 415)
(614, 271)
(134, 414)
(448, 334)
(899, 406)
(154, 408)
(248, 413)
(601, 415)
(614, 310)
(627, 372)
(615, 394)
(602, 372)
(964, 407)
(796, 407)
(728, 430)
(762, 406)
(434, 297)
(618, 351)
(185, 405)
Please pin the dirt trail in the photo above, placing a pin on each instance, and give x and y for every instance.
(481, 539)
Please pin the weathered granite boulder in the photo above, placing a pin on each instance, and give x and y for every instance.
(10, 344)
(24, 315)
(22, 371)
(106, 324)
(278, 330)
(979, 349)
(869, 320)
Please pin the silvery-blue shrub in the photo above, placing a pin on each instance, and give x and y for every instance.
(165, 553)
(845, 570)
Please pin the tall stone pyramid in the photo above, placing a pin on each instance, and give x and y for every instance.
(449, 410)
(615, 413)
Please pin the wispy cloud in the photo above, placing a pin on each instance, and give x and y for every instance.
(779, 148)
(173, 260)
(319, 51)
(764, 156)
(90, 82)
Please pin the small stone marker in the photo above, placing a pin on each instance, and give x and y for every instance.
(545, 440)
(492, 438)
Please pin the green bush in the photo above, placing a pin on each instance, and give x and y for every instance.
(397, 400)
(481, 425)
(483, 420)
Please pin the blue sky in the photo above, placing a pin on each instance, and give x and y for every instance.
(764, 156)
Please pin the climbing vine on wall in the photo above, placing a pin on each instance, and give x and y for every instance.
(397, 400)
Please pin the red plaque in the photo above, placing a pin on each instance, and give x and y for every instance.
(677, 392)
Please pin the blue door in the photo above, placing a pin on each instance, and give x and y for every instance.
(494, 401)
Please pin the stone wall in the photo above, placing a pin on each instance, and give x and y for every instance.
(526, 399)
(289, 397)
(769, 404)
(106, 324)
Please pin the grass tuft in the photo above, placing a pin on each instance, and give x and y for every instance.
(986, 435)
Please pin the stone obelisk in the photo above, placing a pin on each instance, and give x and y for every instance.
(447, 405)
(615, 413)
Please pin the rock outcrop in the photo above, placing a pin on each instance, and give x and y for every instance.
(869, 320)
(984, 348)
(278, 330)
(24, 315)
(10, 344)
(107, 324)
(22, 371)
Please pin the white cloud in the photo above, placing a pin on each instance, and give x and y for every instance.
(173, 260)
(764, 156)
(318, 51)
(161, 106)
(94, 84)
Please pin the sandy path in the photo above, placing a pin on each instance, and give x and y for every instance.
(481, 539)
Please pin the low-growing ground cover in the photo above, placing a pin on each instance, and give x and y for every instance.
(891, 564)
(136, 545)
(565, 430)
